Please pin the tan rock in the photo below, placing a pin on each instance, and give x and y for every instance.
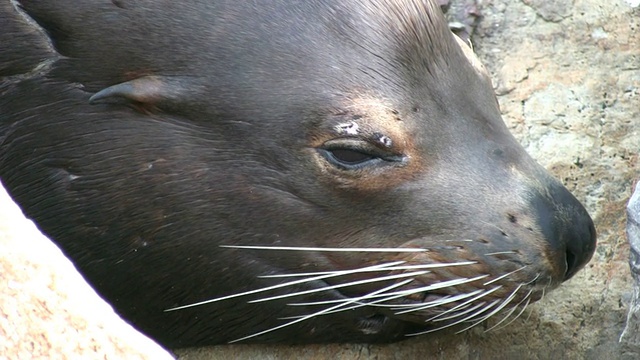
(47, 310)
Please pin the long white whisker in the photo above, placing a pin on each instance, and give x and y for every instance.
(338, 286)
(395, 295)
(376, 303)
(291, 248)
(358, 301)
(500, 253)
(492, 225)
(436, 286)
(289, 283)
(533, 280)
(407, 267)
(451, 324)
(496, 326)
(325, 302)
(504, 303)
(458, 314)
(504, 276)
(313, 315)
(440, 302)
(475, 315)
(455, 308)
(524, 308)
(403, 293)
(543, 293)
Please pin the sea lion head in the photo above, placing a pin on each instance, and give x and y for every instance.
(293, 172)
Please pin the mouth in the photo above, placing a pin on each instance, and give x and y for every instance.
(411, 287)
(467, 302)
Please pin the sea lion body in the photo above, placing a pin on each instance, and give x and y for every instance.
(312, 171)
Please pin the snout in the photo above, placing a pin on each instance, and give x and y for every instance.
(567, 228)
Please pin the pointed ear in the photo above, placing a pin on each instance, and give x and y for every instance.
(148, 90)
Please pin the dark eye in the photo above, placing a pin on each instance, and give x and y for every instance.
(355, 154)
(350, 157)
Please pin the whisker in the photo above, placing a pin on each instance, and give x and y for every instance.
(321, 312)
(455, 308)
(543, 293)
(486, 316)
(399, 294)
(504, 276)
(289, 283)
(439, 285)
(436, 286)
(521, 312)
(457, 314)
(458, 321)
(501, 253)
(395, 295)
(292, 248)
(528, 317)
(325, 302)
(442, 301)
(513, 309)
(338, 286)
(533, 280)
(358, 301)
(496, 326)
(492, 225)
(439, 303)
(407, 267)
(504, 303)
(475, 315)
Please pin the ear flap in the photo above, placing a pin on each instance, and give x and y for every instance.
(150, 90)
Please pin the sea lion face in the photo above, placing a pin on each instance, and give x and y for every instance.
(289, 173)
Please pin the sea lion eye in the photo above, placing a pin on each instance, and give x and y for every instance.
(354, 154)
(348, 158)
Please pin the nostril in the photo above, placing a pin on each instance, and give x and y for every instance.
(580, 246)
(572, 265)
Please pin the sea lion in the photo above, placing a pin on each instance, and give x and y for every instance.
(277, 171)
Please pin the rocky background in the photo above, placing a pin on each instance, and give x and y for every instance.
(47, 311)
(567, 75)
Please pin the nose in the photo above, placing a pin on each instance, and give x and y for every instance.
(567, 227)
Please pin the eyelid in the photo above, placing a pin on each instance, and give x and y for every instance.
(329, 155)
(371, 155)
(350, 156)
(355, 144)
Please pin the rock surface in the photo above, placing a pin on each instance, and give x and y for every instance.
(568, 78)
(47, 310)
(630, 338)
